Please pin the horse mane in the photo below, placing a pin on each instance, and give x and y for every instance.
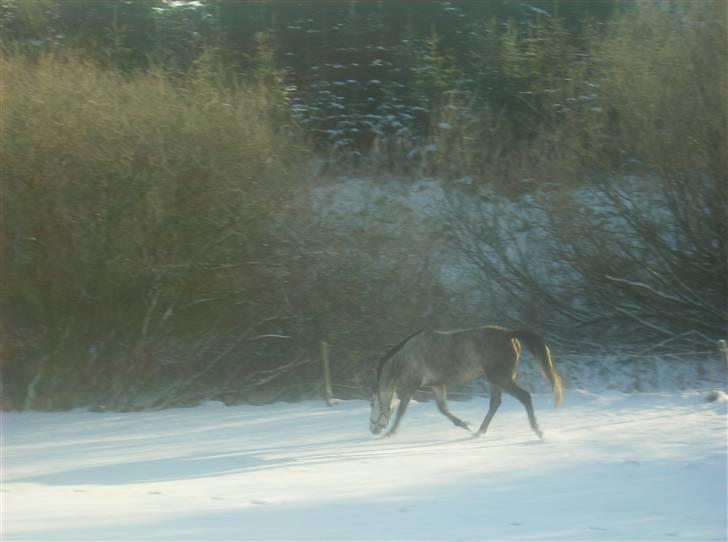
(391, 352)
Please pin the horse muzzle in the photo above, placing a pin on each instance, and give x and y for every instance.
(375, 429)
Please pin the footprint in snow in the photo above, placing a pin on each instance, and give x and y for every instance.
(154, 493)
(258, 502)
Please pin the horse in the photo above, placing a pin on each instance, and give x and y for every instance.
(441, 358)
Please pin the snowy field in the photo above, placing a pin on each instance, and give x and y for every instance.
(612, 466)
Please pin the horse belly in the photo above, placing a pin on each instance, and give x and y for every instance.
(452, 374)
(468, 373)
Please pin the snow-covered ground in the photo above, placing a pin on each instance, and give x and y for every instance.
(612, 466)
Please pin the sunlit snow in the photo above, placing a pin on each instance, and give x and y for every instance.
(611, 467)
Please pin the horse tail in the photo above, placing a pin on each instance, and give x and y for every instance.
(541, 352)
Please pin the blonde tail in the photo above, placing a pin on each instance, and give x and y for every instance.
(541, 352)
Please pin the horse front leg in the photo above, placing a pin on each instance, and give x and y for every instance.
(495, 401)
(440, 393)
(404, 400)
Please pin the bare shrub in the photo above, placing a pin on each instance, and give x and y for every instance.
(629, 216)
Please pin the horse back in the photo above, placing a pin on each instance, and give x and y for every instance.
(437, 357)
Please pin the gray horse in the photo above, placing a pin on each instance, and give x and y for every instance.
(440, 358)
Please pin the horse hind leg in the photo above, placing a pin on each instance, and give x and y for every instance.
(525, 398)
(440, 393)
(495, 401)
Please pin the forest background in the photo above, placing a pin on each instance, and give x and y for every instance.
(168, 166)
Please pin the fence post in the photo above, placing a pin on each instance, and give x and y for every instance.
(326, 370)
(724, 350)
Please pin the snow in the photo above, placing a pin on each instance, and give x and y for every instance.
(612, 466)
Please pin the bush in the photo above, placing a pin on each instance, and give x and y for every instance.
(137, 215)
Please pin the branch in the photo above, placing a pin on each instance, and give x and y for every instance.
(646, 287)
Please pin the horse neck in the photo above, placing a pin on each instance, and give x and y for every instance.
(388, 381)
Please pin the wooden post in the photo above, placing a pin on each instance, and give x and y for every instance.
(724, 350)
(326, 369)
